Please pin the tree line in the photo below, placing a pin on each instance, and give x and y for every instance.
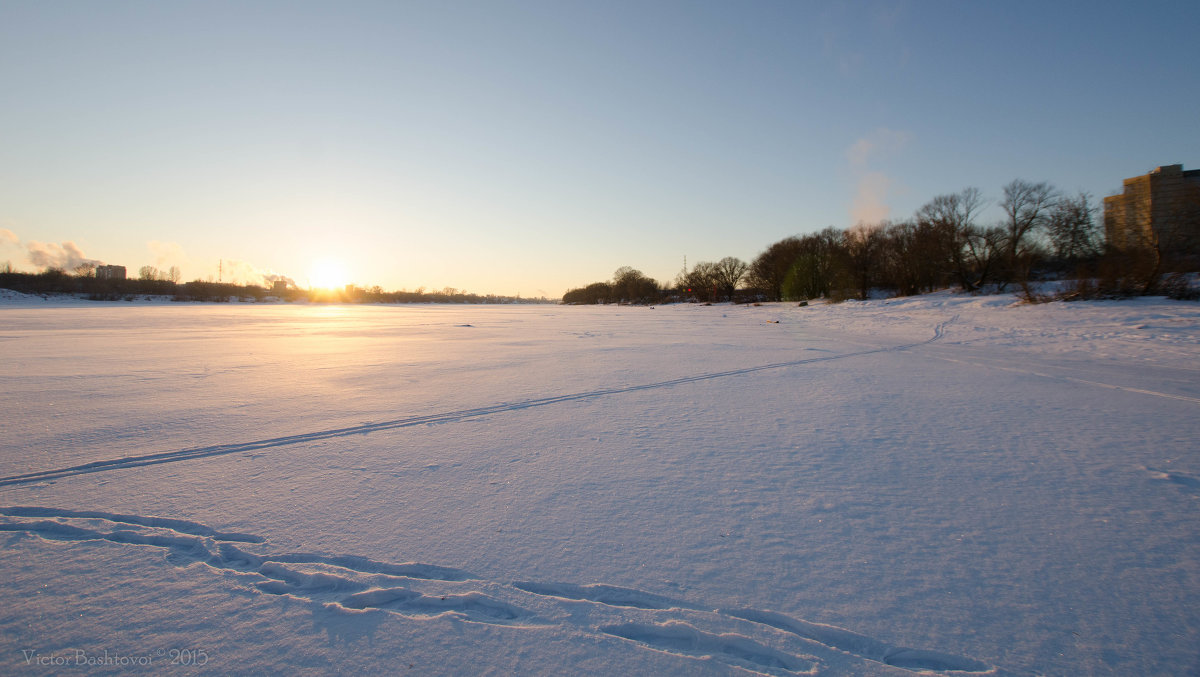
(1043, 234)
(151, 282)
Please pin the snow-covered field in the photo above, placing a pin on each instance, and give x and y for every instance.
(932, 484)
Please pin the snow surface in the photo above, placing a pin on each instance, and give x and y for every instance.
(934, 484)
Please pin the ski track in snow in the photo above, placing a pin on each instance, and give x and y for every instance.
(353, 584)
(981, 362)
(446, 417)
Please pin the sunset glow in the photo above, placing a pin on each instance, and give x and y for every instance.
(328, 274)
(527, 152)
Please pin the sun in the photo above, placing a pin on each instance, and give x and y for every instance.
(328, 274)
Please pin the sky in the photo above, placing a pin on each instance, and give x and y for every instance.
(530, 147)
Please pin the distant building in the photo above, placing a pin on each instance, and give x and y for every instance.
(110, 272)
(279, 287)
(1160, 209)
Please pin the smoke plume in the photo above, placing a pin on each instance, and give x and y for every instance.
(237, 271)
(272, 278)
(870, 199)
(65, 256)
(167, 254)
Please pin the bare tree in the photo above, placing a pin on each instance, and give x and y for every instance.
(1027, 209)
(1072, 229)
(950, 222)
(148, 273)
(983, 248)
(728, 274)
(700, 282)
(915, 258)
(862, 248)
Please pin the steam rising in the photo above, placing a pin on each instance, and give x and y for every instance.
(870, 204)
(870, 199)
(69, 257)
(242, 272)
(235, 271)
(65, 256)
(271, 278)
(167, 254)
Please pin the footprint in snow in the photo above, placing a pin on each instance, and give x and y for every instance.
(761, 641)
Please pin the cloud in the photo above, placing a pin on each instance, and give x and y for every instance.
(7, 237)
(870, 198)
(65, 256)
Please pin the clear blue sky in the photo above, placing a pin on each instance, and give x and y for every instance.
(526, 147)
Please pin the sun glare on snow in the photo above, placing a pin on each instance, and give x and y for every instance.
(328, 274)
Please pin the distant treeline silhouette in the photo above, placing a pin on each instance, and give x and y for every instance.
(85, 283)
(1044, 235)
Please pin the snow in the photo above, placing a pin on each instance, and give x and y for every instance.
(935, 484)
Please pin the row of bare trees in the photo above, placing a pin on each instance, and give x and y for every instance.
(1042, 233)
(942, 245)
(151, 273)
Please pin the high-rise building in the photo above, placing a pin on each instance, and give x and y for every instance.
(110, 272)
(1160, 209)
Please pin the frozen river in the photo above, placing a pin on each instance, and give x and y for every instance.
(939, 483)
